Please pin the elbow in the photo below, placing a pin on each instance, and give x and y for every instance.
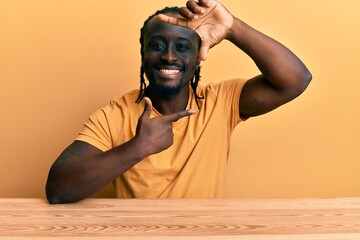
(52, 198)
(52, 189)
(55, 195)
(303, 82)
(307, 78)
(57, 189)
(51, 195)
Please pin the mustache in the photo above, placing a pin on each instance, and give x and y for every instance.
(171, 65)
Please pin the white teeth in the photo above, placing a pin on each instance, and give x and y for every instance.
(169, 71)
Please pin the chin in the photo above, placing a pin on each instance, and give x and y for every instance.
(165, 91)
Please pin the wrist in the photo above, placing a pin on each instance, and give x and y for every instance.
(236, 31)
(140, 147)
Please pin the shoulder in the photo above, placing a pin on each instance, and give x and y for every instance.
(220, 101)
(118, 107)
(220, 88)
(125, 102)
(127, 99)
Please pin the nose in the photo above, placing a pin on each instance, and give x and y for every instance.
(169, 55)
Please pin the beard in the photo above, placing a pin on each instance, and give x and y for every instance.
(165, 92)
(159, 88)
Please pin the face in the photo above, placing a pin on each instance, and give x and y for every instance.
(170, 57)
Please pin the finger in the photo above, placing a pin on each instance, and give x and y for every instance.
(207, 3)
(204, 49)
(194, 7)
(188, 14)
(147, 108)
(173, 20)
(176, 116)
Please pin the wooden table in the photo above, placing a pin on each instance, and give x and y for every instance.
(250, 219)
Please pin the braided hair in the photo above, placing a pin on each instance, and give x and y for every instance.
(196, 78)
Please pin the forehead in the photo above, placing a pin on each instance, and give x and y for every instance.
(156, 28)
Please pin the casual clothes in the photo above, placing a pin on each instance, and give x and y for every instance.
(195, 165)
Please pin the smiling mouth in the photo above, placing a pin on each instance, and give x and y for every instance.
(169, 71)
(168, 74)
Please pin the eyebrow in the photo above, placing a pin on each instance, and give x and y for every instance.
(155, 37)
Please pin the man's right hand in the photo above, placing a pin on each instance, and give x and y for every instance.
(156, 134)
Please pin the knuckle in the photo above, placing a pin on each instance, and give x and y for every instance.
(190, 3)
(178, 116)
(185, 12)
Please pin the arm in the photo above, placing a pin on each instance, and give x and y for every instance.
(283, 76)
(81, 170)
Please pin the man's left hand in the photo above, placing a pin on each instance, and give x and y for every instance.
(208, 18)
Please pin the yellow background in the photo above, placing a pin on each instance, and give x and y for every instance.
(62, 60)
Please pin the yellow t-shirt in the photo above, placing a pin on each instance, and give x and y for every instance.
(194, 166)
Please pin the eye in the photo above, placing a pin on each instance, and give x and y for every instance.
(157, 46)
(182, 47)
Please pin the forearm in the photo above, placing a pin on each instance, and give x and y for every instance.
(75, 178)
(282, 68)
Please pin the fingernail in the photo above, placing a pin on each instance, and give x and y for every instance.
(195, 17)
(192, 111)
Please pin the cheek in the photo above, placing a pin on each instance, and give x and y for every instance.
(147, 62)
(190, 72)
(147, 66)
(192, 65)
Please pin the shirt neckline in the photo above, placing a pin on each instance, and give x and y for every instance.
(181, 121)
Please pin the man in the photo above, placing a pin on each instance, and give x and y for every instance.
(171, 139)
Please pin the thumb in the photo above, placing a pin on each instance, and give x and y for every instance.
(204, 49)
(147, 108)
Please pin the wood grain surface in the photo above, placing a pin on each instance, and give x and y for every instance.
(248, 219)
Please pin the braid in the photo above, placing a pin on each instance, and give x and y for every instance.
(194, 81)
(142, 85)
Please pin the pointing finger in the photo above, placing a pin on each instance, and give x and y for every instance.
(176, 116)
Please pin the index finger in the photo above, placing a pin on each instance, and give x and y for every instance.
(173, 20)
(176, 116)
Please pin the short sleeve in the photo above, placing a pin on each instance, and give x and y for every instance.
(98, 130)
(229, 92)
